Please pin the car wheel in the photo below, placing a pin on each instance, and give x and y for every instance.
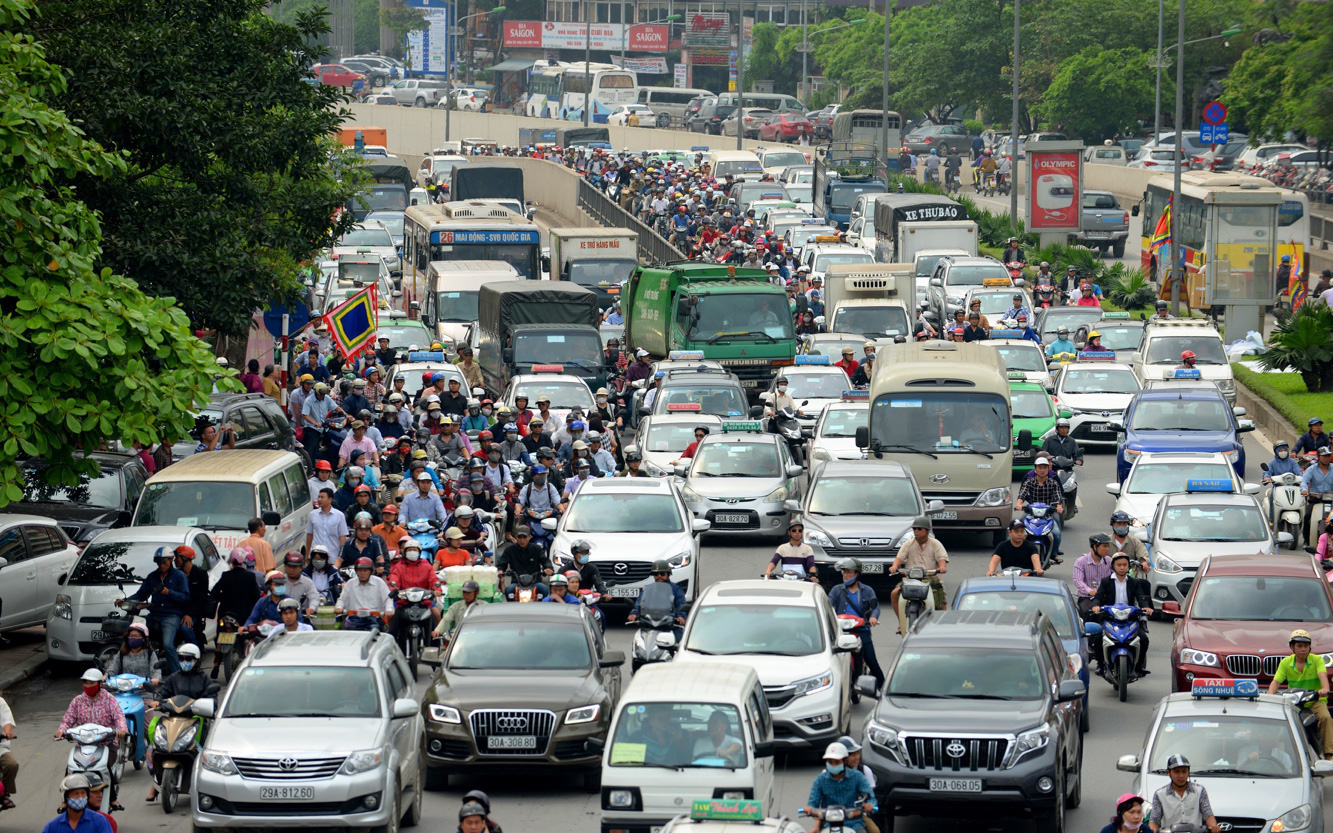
(413, 816)
(395, 813)
(1118, 249)
(420, 102)
(663, 120)
(1053, 820)
(1076, 797)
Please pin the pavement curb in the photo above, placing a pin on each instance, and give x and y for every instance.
(1270, 422)
(21, 671)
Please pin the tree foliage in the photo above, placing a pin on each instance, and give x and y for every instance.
(1284, 81)
(1301, 342)
(86, 357)
(227, 185)
(1099, 93)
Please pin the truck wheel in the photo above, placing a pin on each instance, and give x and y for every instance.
(1118, 248)
(420, 102)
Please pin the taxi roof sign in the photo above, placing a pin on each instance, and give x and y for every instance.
(1209, 484)
(1016, 375)
(674, 407)
(742, 426)
(812, 359)
(426, 356)
(1224, 688)
(856, 396)
(715, 809)
(1096, 355)
(548, 368)
(1006, 333)
(825, 238)
(685, 355)
(997, 282)
(1183, 373)
(1115, 316)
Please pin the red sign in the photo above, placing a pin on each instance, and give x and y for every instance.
(521, 33)
(1055, 181)
(536, 34)
(648, 37)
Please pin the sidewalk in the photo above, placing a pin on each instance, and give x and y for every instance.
(23, 656)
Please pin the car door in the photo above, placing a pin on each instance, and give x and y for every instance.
(52, 556)
(258, 431)
(18, 579)
(404, 732)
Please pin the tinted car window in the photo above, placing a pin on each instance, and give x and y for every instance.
(44, 540)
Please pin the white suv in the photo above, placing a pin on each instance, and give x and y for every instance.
(1163, 343)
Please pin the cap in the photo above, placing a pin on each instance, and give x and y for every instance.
(1314, 421)
(1125, 799)
(92, 675)
(1042, 461)
(1323, 450)
(453, 532)
(1016, 524)
(522, 532)
(835, 752)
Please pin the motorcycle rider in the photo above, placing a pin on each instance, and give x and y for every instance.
(1025, 331)
(266, 609)
(1013, 252)
(1060, 444)
(363, 542)
(168, 593)
(1313, 439)
(662, 573)
(537, 437)
(1122, 588)
(839, 786)
(953, 163)
(861, 378)
(537, 500)
(1042, 488)
(794, 554)
(560, 591)
(451, 554)
(524, 558)
(1089, 571)
(200, 607)
(314, 411)
(1015, 551)
(633, 465)
(77, 816)
(1282, 462)
(924, 551)
(850, 596)
(1161, 314)
(454, 615)
(290, 611)
(589, 576)
(327, 579)
(299, 585)
(190, 681)
(601, 458)
(412, 571)
(1306, 670)
(513, 448)
(425, 503)
(362, 502)
(368, 592)
(1182, 801)
(1122, 541)
(235, 593)
(1062, 344)
(1319, 480)
(95, 705)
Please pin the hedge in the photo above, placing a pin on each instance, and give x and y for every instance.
(1286, 392)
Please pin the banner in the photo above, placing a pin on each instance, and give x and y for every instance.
(354, 322)
(708, 29)
(537, 34)
(429, 49)
(1055, 185)
(646, 66)
(708, 57)
(678, 76)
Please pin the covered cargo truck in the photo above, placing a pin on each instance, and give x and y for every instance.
(481, 181)
(600, 259)
(909, 223)
(527, 323)
(837, 183)
(874, 300)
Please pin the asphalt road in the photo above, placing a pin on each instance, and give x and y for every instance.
(528, 800)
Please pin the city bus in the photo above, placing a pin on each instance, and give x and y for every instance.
(1240, 224)
(559, 91)
(457, 231)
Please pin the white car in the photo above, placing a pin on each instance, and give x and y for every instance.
(620, 115)
(468, 98)
(789, 635)
(630, 523)
(1098, 393)
(662, 438)
(811, 387)
(1164, 342)
(1156, 474)
(834, 437)
(1252, 157)
(34, 555)
(776, 161)
(823, 255)
(418, 362)
(365, 238)
(565, 391)
(1020, 355)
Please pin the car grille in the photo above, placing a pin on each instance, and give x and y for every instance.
(751, 519)
(750, 371)
(778, 697)
(90, 648)
(287, 768)
(488, 723)
(844, 552)
(284, 808)
(624, 572)
(977, 753)
(1251, 665)
(1239, 825)
(953, 498)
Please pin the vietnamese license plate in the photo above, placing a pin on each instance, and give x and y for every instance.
(226, 638)
(944, 516)
(1092, 234)
(1100, 427)
(100, 636)
(624, 592)
(868, 567)
(731, 519)
(528, 742)
(287, 793)
(955, 785)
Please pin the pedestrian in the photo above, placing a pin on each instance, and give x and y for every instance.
(9, 765)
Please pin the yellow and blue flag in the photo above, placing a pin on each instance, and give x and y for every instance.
(1296, 286)
(354, 322)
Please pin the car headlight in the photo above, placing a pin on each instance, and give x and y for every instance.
(822, 455)
(1229, 385)
(1328, 659)
(1163, 563)
(903, 538)
(956, 300)
(362, 761)
(63, 608)
(777, 495)
(689, 495)
(186, 739)
(217, 762)
(887, 739)
(993, 497)
(444, 714)
(621, 799)
(812, 685)
(654, 471)
(1190, 656)
(1297, 819)
(1033, 740)
(817, 537)
(583, 714)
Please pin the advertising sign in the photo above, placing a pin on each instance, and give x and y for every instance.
(647, 66)
(429, 49)
(678, 76)
(537, 34)
(1055, 186)
(708, 29)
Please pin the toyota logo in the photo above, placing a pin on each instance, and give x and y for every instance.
(513, 724)
(288, 764)
(621, 568)
(1105, 414)
(955, 750)
(939, 478)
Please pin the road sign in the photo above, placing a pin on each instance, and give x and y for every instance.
(298, 317)
(1213, 134)
(1214, 112)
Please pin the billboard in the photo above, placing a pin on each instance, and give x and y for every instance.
(708, 29)
(647, 66)
(537, 34)
(1055, 186)
(429, 51)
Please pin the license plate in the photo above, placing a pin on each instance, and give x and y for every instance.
(731, 519)
(944, 516)
(99, 636)
(624, 592)
(530, 742)
(955, 785)
(868, 567)
(1097, 233)
(1100, 428)
(226, 639)
(287, 793)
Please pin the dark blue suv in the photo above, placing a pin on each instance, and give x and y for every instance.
(1180, 419)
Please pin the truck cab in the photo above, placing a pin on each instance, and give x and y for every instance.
(871, 299)
(598, 259)
(525, 325)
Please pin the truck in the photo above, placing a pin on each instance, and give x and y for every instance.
(1105, 224)
(589, 137)
(486, 181)
(908, 223)
(525, 324)
(600, 259)
(367, 135)
(836, 185)
(871, 299)
(390, 182)
(528, 136)
(732, 315)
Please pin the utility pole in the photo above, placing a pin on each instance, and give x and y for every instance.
(1177, 270)
(587, 60)
(1013, 133)
(1157, 106)
(884, 106)
(805, 51)
(740, 74)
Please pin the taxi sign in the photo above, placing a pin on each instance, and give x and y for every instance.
(1115, 316)
(1224, 688)
(1006, 333)
(700, 147)
(548, 368)
(1017, 375)
(856, 396)
(426, 356)
(825, 238)
(742, 426)
(674, 407)
(1183, 373)
(1209, 484)
(1096, 355)
(997, 282)
(685, 355)
(715, 809)
(810, 359)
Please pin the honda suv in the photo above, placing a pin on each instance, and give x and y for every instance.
(318, 728)
(939, 743)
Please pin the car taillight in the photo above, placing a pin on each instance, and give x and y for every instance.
(1148, 163)
(927, 140)
(1126, 218)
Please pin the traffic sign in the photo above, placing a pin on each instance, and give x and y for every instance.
(1214, 112)
(1214, 134)
(298, 317)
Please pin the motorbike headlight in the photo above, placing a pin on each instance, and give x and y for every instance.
(160, 741)
(777, 495)
(362, 761)
(583, 714)
(994, 497)
(1190, 656)
(1297, 819)
(1328, 659)
(812, 685)
(1028, 743)
(887, 739)
(689, 495)
(1163, 563)
(63, 608)
(818, 538)
(217, 762)
(444, 714)
(681, 559)
(186, 740)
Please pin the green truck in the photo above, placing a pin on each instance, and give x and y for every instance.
(734, 316)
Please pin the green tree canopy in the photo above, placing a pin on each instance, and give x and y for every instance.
(1099, 93)
(1284, 81)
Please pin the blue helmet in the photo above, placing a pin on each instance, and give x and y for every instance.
(934, 152)
(539, 469)
(436, 377)
(511, 428)
(577, 425)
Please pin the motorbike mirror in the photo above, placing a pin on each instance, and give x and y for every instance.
(756, 411)
(1128, 763)
(1113, 488)
(414, 306)
(766, 397)
(549, 524)
(206, 707)
(612, 659)
(795, 471)
(862, 436)
(478, 391)
(1251, 488)
(1019, 281)
(847, 643)
(700, 525)
(1171, 608)
(1091, 628)
(1285, 539)
(637, 383)
(271, 519)
(397, 293)
(666, 641)
(865, 684)
(1263, 467)
(1071, 690)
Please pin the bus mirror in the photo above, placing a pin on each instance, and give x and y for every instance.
(862, 436)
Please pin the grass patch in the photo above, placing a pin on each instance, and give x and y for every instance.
(1286, 392)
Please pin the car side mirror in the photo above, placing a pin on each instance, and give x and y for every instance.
(792, 505)
(1172, 608)
(1285, 538)
(124, 518)
(1066, 413)
(764, 749)
(680, 471)
(1071, 690)
(1323, 769)
(1240, 412)
(934, 506)
(1024, 440)
(612, 659)
(507, 354)
(272, 519)
(1116, 425)
(405, 707)
(207, 706)
(1113, 489)
(699, 526)
(1134, 211)
(414, 306)
(1251, 488)
(847, 643)
(549, 524)
(862, 436)
(1244, 426)
(865, 684)
(397, 293)
(936, 282)
(546, 263)
(1131, 763)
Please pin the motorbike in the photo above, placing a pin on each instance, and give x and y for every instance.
(229, 653)
(363, 619)
(177, 736)
(426, 532)
(916, 594)
(1064, 470)
(92, 753)
(1044, 295)
(416, 621)
(1120, 646)
(1039, 520)
(785, 425)
(786, 574)
(1002, 184)
(1301, 698)
(332, 431)
(951, 182)
(524, 589)
(128, 691)
(1320, 503)
(1286, 505)
(655, 640)
(1015, 270)
(834, 819)
(851, 623)
(590, 599)
(933, 175)
(114, 627)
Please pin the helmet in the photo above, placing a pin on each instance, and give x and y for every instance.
(237, 555)
(474, 403)
(288, 604)
(934, 152)
(275, 575)
(848, 564)
(1120, 517)
(161, 555)
(511, 428)
(471, 809)
(293, 559)
(464, 512)
(471, 586)
(92, 675)
(1094, 334)
(558, 578)
(581, 545)
(364, 562)
(1098, 539)
(355, 471)
(1299, 635)
(633, 457)
(661, 566)
(1188, 354)
(189, 649)
(74, 781)
(922, 522)
(1176, 761)
(1119, 556)
(323, 465)
(1062, 423)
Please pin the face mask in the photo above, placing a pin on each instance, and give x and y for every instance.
(353, 481)
(539, 479)
(319, 563)
(136, 642)
(91, 690)
(413, 555)
(76, 804)
(601, 400)
(187, 665)
(280, 590)
(486, 411)
(582, 559)
(848, 582)
(1135, 826)
(1120, 529)
(782, 388)
(834, 769)
(1282, 455)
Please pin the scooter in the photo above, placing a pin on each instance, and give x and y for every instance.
(1044, 295)
(1039, 520)
(127, 689)
(229, 652)
(1015, 270)
(92, 753)
(524, 590)
(834, 819)
(915, 594)
(1064, 470)
(1286, 505)
(114, 627)
(655, 640)
(177, 736)
(590, 599)
(1320, 503)
(1120, 646)
(1301, 698)
(416, 623)
(785, 425)
(426, 532)
(850, 623)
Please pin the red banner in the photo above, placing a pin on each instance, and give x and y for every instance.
(536, 34)
(523, 33)
(649, 37)
(1054, 184)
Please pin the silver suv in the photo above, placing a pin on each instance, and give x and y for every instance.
(317, 728)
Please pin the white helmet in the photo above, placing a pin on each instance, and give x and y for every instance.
(189, 649)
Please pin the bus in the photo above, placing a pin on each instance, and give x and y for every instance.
(544, 92)
(864, 129)
(457, 231)
(1243, 225)
(559, 91)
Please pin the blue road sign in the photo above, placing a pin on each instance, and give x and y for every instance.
(298, 318)
(1213, 134)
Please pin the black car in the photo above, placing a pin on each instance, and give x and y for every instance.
(376, 73)
(96, 504)
(940, 741)
(710, 116)
(258, 419)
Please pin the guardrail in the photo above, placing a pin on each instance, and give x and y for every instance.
(653, 247)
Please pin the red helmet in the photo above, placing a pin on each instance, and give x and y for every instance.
(364, 562)
(1187, 355)
(485, 435)
(573, 574)
(293, 559)
(323, 465)
(185, 552)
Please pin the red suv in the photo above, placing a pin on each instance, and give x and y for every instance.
(786, 127)
(336, 75)
(1240, 612)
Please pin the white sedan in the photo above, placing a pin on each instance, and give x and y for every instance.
(1156, 474)
(620, 116)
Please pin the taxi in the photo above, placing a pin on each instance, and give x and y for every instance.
(1246, 748)
(1202, 522)
(717, 815)
(1120, 335)
(740, 480)
(830, 344)
(1157, 474)
(812, 383)
(996, 301)
(1095, 389)
(565, 391)
(1034, 412)
(1020, 355)
(834, 434)
(662, 438)
(417, 364)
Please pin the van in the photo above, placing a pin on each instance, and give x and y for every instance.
(645, 783)
(741, 164)
(221, 491)
(668, 103)
(768, 101)
(449, 304)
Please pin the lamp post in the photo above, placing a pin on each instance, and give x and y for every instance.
(805, 46)
(454, 32)
(884, 101)
(587, 60)
(1161, 61)
(1013, 133)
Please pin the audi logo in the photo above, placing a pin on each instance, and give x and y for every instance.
(939, 478)
(288, 764)
(621, 568)
(955, 750)
(511, 723)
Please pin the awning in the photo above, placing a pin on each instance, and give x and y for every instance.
(511, 65)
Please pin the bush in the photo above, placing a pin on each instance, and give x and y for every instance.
(1127, 288)
(973, 126)
(1285, 392)
(1303, 344)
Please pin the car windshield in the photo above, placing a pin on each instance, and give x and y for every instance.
(403, 336)
(960, 673)
(803, 234)
(678, 735)
(823, 262)
(1053, 605)
(1165, 478)
(975, 275)
(783, 158)
(302, 691)
(823, 385)
(1030, 404)
(669, 437)
(575, 349)
(381, 197)
(118, 563)
(718, 400)
(1207, 350)
(1094, 200)
(721, 459)
(1181, 415)
(622, 512)
(1054, 317)
(1261, 598)
(393, 222)
(414, 384)
(352, 272)
(1090, 380)
(727, 168)
(1205, 522)
(1021, 357)
(601, 272)
(843, 422)
(776, 630)
(517, 646)
(845, 193)
(367, 236)
(212, 506)
(993, 303)
(456, 306)
(102, 491)
(564, 395)
(1121, 337)
(925, 264)
(802, 192)
(832, 346)
(887, 496)
(940, 423)
(1228, 746)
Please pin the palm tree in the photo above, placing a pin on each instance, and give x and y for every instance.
(1304, 343)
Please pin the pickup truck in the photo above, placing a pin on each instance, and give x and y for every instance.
(1105, 224)
(420, 92)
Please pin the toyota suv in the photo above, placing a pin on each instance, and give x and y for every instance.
(317, 728)
(940, 744)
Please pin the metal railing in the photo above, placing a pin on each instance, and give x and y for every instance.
(653, 247)
(1321, 230)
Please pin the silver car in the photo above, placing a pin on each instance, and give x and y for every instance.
(741, 479)
(1192, 526)
(316, 728)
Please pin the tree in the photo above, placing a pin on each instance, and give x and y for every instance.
(402, 19)
(1100, 93)
(1301, 342)
(228, 185)
(87, 358)
(1284, 80)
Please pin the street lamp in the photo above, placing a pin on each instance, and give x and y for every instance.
(624, 34)
(1160, 61)
(804, 48)
(456, 30)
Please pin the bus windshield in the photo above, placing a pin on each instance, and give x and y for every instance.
(940, 422)
(521, 256)
(722, 318)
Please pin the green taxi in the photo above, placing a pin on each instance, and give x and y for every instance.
(1033, 410)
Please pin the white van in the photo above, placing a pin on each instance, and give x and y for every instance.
(449, 304)
(741, 164)
(668, 103)
(681, 732)
(221, 491)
